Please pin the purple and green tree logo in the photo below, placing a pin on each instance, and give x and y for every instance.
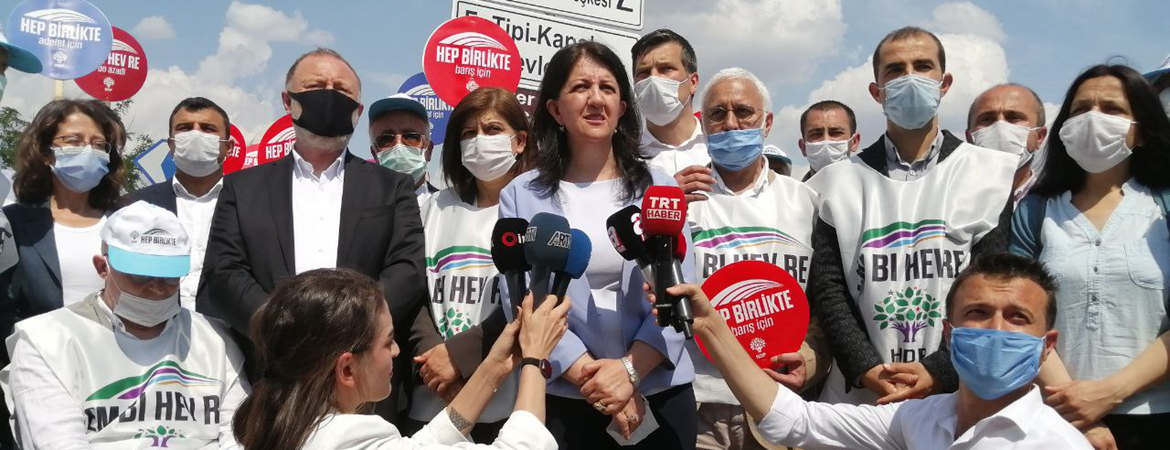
(908, 311)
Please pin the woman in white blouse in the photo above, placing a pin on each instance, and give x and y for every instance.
(325, 344)
(1097, 220)
(68, 177)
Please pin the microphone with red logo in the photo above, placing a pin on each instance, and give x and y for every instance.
(664, 211)
(625, 233)
(508, 255)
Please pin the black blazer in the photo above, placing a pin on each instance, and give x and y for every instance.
(161, 195)
(33, 285)
(250, 248)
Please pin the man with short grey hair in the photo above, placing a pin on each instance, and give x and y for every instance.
(319, 207)
(750, 213)
(1010, 118)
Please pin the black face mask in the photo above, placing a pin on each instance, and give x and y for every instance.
(325, 112)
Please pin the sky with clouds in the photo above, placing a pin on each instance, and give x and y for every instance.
(237, 52)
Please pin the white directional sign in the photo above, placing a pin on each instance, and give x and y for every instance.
(539, 36)
(156, 163)
(622, 13)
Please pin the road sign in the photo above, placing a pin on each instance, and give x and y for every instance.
(622, 13)
(123, 73)
(70, 37)
(156, 163)
(539, 35)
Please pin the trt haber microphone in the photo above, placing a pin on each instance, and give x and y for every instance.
(579, 252)
(664, 210)
(508, 255)
(546, 246)
(625, 233)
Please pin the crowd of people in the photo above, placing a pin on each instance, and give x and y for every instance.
(1002, 288)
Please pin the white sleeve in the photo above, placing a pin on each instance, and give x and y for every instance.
(522, 431)
(46, 416)
(811, 425)
(238, 389)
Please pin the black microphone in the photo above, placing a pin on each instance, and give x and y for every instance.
(581, 248)
(625, 233)
(546, 246)
(664, 210)
(508, 255)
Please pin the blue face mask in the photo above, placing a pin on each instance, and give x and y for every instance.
(912, 100)
(80, 168)
(735, 150)
(994, 363)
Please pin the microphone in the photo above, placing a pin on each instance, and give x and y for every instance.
(683, 315)
(663, 217)
(625, 233)
(575, 264)
(546, 246)
(508, 255)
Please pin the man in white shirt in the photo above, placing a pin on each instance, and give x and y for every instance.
(1010, 118)
(127, 367)
(1000, 315)
(666, 79)
(200, 139)
(751, 213)
(319, 207)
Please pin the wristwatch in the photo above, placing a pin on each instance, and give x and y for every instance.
(542, 364)
(635, 380)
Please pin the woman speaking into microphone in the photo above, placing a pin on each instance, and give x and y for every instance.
(617, 374)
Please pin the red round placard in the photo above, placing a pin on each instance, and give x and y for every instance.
(763, 305)
(235, 156)
(277, 141)
(468, 52)
(123, 73)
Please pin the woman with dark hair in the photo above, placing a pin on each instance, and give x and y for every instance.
(484, 149)
(1097, 220)
(325, 344)
(68, 177)
(616, 369)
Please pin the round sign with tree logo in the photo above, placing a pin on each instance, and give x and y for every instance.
(763, 305)
(123, 73)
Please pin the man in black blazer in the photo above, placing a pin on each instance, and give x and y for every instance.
(199, 139)
(319, 206)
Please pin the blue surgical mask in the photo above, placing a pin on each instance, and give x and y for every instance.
(735, 150)
(994, 363)
(404, 159)
(80, 168)
(912, 100)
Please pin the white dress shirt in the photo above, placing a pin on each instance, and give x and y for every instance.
(1025, 424)
(195, 216)
(316, 205)
(673, 158)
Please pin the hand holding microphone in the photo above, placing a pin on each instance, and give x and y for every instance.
(664, 210)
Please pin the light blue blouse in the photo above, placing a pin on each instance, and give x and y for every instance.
(1112, 298)
(585, 330)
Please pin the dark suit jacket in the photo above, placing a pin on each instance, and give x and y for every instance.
(250, 248)
(33, 285)
(161, 195)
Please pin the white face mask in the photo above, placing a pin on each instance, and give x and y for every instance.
(143, 311)
(197, 153)
(1096, 141)
(488, 157)
(658, 99)
(1005, 137)
(821, 154)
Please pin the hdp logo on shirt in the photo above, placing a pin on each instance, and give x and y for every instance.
(460, 257)
(908, 311)
(163, 374)
(159, 436)
(901, 234)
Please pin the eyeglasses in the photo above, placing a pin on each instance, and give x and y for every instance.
(387, 140)
(743, 113)
(77, 141)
